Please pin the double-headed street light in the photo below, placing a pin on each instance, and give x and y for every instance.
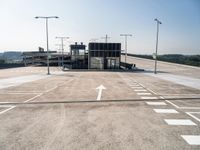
(106, 38)
(125, 35)
(158, 23)
(46, 19)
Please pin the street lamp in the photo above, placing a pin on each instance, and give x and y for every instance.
(106, 38)
(46, 19)
(158, 23)
(125, 35)
(62, 38)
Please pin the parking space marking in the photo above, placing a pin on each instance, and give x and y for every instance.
(182, 107)
(152, 91)
(192, 139)
(185, 122)
(191, 115)
(156, 103)
(17, 93)
(38, 95)
(5, 106)
(144, 94)
(142, 91)
(149, 98)
(30, 99)
(11, 107)
(166, 111)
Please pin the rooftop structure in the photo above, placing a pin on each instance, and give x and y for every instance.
(104, 55)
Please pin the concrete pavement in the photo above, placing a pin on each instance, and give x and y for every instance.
(145, 118)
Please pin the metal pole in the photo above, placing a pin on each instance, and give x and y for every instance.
(62, 47)
(48, 71)
(155, 68)
(125, 47)
(46, 19)
(106, 38)
(88, 59)
(126, 44)
(62, 51)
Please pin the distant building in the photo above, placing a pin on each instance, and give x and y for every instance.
(104, 55)
(99, 56)
(40, 58)
(79, 56)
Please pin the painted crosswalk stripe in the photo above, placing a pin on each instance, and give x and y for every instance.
(144, 94)
(141, 90)
(149, 98)
(192, 139)
(184, 122)
(166, 111)
(156, 103)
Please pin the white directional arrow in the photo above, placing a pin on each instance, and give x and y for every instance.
(100, 88)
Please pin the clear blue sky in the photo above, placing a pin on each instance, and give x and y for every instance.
(83, 20)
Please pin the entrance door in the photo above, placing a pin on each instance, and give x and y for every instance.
(111, 63)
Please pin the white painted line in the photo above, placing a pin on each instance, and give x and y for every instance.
(190, 114)
(6, 102)
(170, 111)
(149, 98)
(142, 90)
(5, 106)
(16, 81)
(162, 97)
(30, 99)
(185, 122)
(192, 139)
(51, 89)
(172, 104)
(7, 110)
(182, 107)
(30, 92)
(141, 84)
(156, 103)
(152, 91)
(144, 94)
(19, 93)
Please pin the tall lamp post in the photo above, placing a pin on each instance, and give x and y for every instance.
(46, 19)
(106, 38)
(125, 35)
(158, 23)
(62, 38)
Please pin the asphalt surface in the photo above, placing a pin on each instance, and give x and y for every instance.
(134, 110)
